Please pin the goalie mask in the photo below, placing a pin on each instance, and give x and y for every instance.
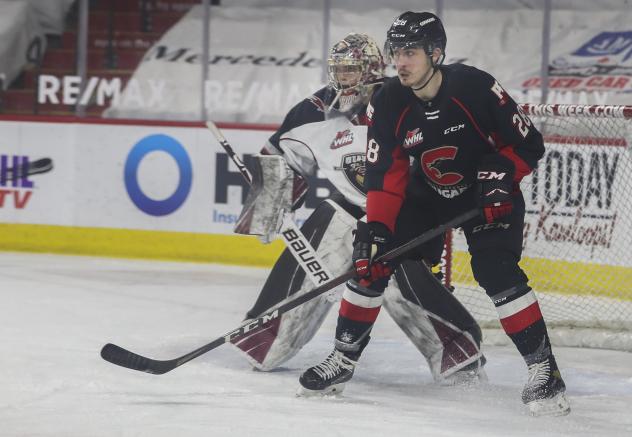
(416, 30)
(355, 65)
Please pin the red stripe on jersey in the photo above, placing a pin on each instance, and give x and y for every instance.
(383, 207)
(471, 117)
(396, 177)
(522, 319)
(394, 184)
(357, 313)
(522, 168)
(401, 118)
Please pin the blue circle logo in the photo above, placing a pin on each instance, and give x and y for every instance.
(167, 144)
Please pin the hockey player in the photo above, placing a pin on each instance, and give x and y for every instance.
(471, 145)
(327, 131)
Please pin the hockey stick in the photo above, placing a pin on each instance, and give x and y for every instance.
(42, 165)
(124, 358)
(296, 242)
(231, 153)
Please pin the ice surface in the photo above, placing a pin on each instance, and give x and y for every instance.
(56, 312)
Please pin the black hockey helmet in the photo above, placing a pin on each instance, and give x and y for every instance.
(416, 29)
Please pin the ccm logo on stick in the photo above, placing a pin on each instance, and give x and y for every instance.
(252, 325)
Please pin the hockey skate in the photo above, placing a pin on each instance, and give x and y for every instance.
(544, 391)
(328, 377)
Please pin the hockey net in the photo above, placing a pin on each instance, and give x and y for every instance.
(578, 230)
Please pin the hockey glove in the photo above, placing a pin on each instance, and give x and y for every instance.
(371, 240)
(495, 178)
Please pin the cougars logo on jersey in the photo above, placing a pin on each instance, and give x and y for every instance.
(443, 182)
(343, 138)
(353, 166)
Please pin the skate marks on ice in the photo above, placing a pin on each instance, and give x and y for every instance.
(58, 311)
(404, 387)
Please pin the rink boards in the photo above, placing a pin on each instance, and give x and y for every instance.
(156, 190)
(168, 191)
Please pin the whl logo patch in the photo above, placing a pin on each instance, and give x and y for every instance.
(343, 138)
(413, 137)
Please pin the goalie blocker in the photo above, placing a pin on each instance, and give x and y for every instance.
(432, 318)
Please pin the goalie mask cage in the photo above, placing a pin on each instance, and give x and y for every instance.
(578, 230)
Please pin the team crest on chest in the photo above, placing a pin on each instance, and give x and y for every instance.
(413, 137)
(343, 138)
(353, 167)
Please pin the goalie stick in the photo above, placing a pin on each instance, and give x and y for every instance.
(42, 165)
(125, 358)
(231, 153)
(296, 242)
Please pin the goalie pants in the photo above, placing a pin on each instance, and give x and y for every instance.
(439, 326)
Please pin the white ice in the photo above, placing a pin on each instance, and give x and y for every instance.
(57, 311)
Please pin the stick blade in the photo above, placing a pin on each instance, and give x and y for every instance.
(124, 358)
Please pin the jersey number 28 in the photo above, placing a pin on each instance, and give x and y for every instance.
(521, 122)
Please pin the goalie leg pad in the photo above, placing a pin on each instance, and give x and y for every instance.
(328, 229)
(439, 326)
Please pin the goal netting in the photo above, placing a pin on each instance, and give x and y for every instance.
(578, 230)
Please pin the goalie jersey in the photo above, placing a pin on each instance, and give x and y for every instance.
(313, 137)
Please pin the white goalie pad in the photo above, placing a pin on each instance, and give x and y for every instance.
(270, 197)
(273, 344)
(433, 319)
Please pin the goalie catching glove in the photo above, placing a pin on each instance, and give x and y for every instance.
(371, 241)
(275, 191)
(495, 178)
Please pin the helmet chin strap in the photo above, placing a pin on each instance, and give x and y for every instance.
(434, 68)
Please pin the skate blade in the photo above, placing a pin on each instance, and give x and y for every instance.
(556, 406)
(332, 391)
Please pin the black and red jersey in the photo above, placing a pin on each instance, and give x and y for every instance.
(471, 116)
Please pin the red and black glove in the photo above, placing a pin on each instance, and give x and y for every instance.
(371, 241)
(495, 178)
